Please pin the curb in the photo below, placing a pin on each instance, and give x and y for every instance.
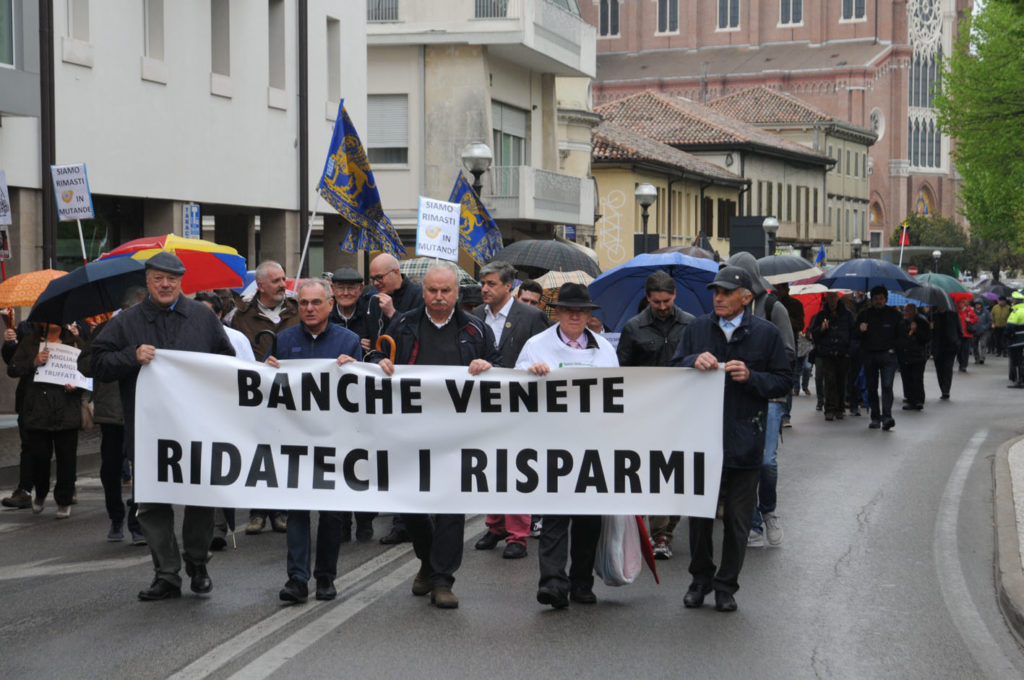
(1009, 572)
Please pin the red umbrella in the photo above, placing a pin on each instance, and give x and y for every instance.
(646, 549)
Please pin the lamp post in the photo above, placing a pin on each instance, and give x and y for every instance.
(855, 246)
(645, 195)
(771, 228)
(936, 254)
(477, 157)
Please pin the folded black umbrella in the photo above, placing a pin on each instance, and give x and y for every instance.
(95, 288)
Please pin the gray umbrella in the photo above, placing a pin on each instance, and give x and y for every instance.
(933, 296)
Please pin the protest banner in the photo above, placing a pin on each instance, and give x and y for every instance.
(217, 431)
(71, 188)
(62, 367)
(437, 229)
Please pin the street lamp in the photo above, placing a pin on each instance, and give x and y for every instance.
(855, 246)
(771, 228)
(477, 157)
(645, 195)
(936, 254)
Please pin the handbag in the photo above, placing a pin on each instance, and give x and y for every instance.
(87, 420)
(619, 560)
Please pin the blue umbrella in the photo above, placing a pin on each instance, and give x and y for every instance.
(94, 288)
(620, 290)
(866, 273)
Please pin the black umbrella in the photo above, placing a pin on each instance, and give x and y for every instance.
(547, 256)
(1000, 289)
(933, 296)
(95, 288)
(786, 268)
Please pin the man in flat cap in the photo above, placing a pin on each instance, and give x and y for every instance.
(165, 319)
(750, 350)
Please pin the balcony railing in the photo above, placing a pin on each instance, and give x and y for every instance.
(527, 193)
(381, 10)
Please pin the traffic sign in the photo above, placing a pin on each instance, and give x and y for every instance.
(912, 270)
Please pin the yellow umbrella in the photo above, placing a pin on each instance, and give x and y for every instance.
(22, 290)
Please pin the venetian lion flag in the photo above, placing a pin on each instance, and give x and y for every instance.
(348, 185)
(479, 235)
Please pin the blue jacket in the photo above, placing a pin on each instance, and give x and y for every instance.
(476, 341)
(295, 342)
(758, 344)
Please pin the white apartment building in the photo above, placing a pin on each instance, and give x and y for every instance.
(170, 103)
(444, 73)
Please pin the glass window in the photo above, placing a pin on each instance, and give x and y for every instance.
(609, 18)
(510, 133)
(791, 11)
(7, 32)
(853, 9)
(153, 29)
(387, 128)
(333, 59)
(220, 37)
(275, 44)
(668, 16)
(728, 14)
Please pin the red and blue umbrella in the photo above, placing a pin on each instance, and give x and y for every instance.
(208, 265)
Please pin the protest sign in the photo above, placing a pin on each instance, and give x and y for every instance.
(217, 431)
(437, 229)
(5, 201)
(62, 367)
(71, 188)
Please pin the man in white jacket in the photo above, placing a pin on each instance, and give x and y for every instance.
(568, 344)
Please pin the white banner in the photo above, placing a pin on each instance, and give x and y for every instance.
(62, 367)
(218, 431)
(71, 187)
(437, 229)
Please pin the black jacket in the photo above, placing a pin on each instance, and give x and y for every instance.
(523, 323)
(642, 342)
(883, 327)
(759, 345)
(833, 341)
(407, 297)
(44, 406)
(912, 346)
(476, 341)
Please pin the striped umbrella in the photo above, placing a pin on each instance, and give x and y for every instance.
(552, 281)
(22, 290)
(416, 268)
(208, 265)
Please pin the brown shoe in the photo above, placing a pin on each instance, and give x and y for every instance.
(421, 585)
(255, 525)
(279, 523)
(442, 597)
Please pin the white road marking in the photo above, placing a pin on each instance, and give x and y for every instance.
(44, 568)
(985, 651)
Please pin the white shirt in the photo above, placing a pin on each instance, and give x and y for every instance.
(497, 321)
(243, 348)
(548, 347)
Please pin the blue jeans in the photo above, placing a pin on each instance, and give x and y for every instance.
(328, 544)
(880, 367)
(769, 479)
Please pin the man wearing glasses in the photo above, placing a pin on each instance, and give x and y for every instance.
(394, 293)
(347, 289)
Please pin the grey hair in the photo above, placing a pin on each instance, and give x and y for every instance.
(505, 271)
(264, 268)
(445, 266)
(323, 284)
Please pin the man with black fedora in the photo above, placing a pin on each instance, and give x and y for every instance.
(569, 343)
(751, 353)
(165, 319)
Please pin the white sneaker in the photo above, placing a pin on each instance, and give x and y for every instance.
(63, 511)
(38, 504)
(772, 530)
(755, 539)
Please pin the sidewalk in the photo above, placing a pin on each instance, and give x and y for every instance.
(10, 451)
(1008, 498)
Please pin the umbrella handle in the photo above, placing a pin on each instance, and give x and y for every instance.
(393, 346)
(273, 340)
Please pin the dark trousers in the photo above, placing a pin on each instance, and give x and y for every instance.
(738, 496)
(853, 393)
(832, 370)
(157, 521)
(62, 445)
(999, 340)
(912, 375)
(438, 544)
(880, 371)
(565, 536)
(944, 370)
(25, 478)
(111, 468)
(964, 355)
(328, 544)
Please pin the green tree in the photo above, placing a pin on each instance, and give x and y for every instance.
(981, 106)
(978, 254)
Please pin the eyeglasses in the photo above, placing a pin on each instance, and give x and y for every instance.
(381, 277)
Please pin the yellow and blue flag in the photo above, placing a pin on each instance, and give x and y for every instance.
(479, 235)
(820, 257)
(348, 185)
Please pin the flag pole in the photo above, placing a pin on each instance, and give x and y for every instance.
(903, 242)
(81, 240)
(305, 246)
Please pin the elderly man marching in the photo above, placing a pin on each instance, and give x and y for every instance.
(166, 319)
(439, 334)
(569, 343)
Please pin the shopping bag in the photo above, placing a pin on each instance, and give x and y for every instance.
(619, 560)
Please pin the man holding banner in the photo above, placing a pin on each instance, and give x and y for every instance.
(442, 335)
(166, 319)
(751, 353)
(569, 343)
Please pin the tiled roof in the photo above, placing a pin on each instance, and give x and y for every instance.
(612, 142)
(686, 124)
(760, 104)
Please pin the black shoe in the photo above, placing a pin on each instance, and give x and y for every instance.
(829, 417)
(294, 591)
(582, 595)
(218, 543)
(888, 424)
(724, 602)
(875, 424)
(855, 412)
(159, 590)
(325, 588)
(695, 595)
(395, 536)
(552, 596)
(514, 551)
(488, 541)
(137, 537)
(201, 582)
(945, 396)
(364, 531)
